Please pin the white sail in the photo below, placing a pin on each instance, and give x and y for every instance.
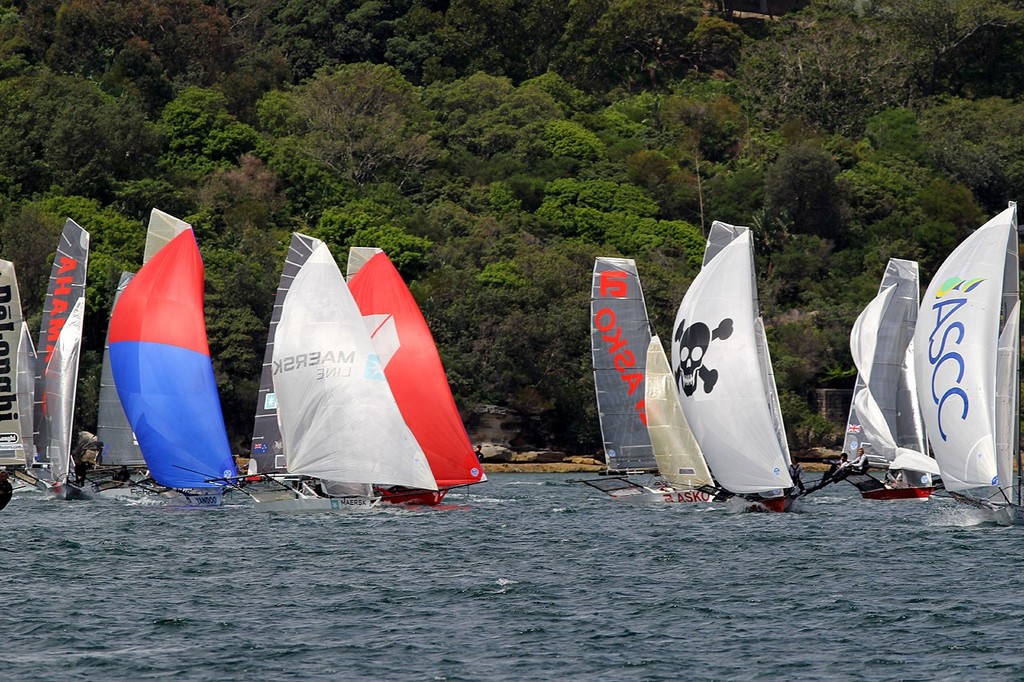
(163, 227)
(965, 309)
(61, 381)
(26, 393)
(339, 420)
(12, 412)
(1007, 397)
(716, 358)
(676, 450)
(885, 416)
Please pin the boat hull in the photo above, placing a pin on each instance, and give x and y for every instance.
(428, 498)
(71, 492)
(655, 496)
(898, 494)
(195, 499)
(317, 504)
(770, 504)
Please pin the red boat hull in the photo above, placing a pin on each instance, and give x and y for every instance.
(774, 504)
(428, 498)
(898, 494)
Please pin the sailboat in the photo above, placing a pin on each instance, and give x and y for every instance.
(160, 359)
(66, 286)
(723, 374)
(267, 449)
(968, 341)
(415, 374)
(885, 417)
(16, 440)
(120, 446)
(61, 380)
(620, 338)
(340, 424)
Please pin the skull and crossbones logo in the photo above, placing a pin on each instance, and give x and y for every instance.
(692, 342)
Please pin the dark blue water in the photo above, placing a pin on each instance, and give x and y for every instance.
(525, 577)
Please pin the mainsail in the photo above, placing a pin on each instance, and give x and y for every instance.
(61, 380)
(967, 342)
(679, 456)
(26, 392)
(112, 427)
(14, 431)
(66, 286)
(161, 364)
(718, 357)
(620, 334)
(338, 417)
(267, 448)
(885, 418)
(413, 367)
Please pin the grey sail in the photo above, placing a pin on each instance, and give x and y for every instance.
(886, 370)
(60, 380)
(620, 335)
(66, 287)
(112, 427)
(267, 447)
(12, 415)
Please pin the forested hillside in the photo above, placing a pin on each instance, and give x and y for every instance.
(494, 147)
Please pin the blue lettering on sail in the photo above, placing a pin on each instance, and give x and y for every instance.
(938, 355)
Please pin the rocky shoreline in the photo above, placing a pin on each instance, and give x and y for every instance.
(498, 459)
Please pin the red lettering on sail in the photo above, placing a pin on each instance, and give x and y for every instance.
(604, 319)
(66, 265)
(63, 286)
(613, 284)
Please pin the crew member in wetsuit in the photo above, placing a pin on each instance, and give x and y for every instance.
(122, 475)
(6, 489)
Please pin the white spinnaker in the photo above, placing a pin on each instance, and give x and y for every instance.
(61, 381)
(864, 335)
(26, 392)
(339, 420)
(676, 450)
(731, 419)
(957, 341)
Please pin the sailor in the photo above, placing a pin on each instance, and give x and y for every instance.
(836, 471)
(860, 465)
(6, 489)
(122, 475)
(796, 472)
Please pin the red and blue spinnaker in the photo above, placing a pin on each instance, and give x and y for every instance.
(160, 359)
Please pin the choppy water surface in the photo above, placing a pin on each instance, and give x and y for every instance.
(523, 577)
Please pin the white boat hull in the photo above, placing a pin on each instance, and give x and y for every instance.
(194, 498)
(664, 496)
(275, 502)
